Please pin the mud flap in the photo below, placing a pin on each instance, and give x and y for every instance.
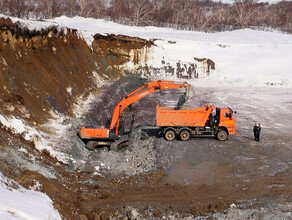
(120, 144)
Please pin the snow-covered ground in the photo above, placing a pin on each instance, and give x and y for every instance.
(18, 203)
(42, 140)
(243, 59)
(246, 57)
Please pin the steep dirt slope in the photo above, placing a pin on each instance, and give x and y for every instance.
(43, 73)
(47, 69)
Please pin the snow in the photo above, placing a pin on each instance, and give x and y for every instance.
(244, 60)
(92, 25)
(83, 105)
(69, 90)
(16, 125)
(4, 121)
(242, 57)
(54, 134)
(41, 139)
(18, 203)
(30, 24)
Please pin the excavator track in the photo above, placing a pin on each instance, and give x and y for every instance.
(116, 145)
(92, 145)
(120, 144)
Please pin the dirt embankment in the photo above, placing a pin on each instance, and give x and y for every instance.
(43, 70)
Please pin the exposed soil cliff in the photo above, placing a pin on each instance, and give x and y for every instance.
(48, 69)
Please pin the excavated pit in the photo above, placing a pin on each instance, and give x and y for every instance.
(49, 69)
(206, 174)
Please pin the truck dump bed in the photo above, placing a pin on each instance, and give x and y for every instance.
(191, 117)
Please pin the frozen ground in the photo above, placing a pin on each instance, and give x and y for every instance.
(247, 57)
(242, 57)
(269, 106)
(18, 203)
(252, 76)
(256, 176)
(251, 67)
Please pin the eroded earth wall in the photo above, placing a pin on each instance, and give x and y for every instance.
(44, 71)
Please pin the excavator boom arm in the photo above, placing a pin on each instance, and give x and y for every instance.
(140, 93)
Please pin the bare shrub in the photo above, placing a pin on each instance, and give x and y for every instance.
(203, 15)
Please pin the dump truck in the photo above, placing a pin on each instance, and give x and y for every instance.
(111, 135)
(186, 122)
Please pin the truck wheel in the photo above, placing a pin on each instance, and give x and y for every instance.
(169, 135)
(222, 135)
(184, 135)
(90, 145)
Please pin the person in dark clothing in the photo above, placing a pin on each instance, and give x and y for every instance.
(258, 132)
(255, 131)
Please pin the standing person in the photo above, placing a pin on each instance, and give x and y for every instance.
(255, 131)
(259, 132)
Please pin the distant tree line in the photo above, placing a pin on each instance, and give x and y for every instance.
(201, 15)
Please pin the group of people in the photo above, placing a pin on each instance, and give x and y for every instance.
(257, 131)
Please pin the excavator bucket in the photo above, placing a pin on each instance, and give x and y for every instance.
(184, 97)
(187, 92)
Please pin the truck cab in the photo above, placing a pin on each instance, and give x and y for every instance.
(227, 120)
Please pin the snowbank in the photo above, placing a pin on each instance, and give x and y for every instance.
(19, 203)
(42, 140)
(108, 27)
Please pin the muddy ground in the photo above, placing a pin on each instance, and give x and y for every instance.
(154, 178)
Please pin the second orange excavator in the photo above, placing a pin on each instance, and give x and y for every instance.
(111, 136)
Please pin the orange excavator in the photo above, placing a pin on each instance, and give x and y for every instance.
(111, 136)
